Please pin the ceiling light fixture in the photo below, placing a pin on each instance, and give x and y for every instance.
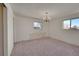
(46, 17)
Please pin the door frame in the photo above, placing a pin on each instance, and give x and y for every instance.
(4, 29)
(5, 49)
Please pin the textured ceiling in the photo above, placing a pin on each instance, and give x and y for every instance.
(37, 10)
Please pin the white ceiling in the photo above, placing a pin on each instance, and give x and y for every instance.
(37, 9)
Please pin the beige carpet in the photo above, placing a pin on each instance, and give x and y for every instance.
(44, 47)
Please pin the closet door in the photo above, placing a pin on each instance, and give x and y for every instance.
(1, 30)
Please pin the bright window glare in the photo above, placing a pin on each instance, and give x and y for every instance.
(67, 24)
(37, 25)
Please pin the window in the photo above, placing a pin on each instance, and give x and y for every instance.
(66, 24)
(37, 25)
(71, 23)
(75, 23)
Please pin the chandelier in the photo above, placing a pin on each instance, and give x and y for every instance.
(46, 17)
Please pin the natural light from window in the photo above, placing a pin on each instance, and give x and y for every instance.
(37, 25)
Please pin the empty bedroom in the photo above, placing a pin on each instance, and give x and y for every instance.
(42, 29)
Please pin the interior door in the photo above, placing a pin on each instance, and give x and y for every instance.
(1, 30)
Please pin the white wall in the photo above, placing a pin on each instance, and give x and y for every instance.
(9, 28)
(23, 29)
(56, 31)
